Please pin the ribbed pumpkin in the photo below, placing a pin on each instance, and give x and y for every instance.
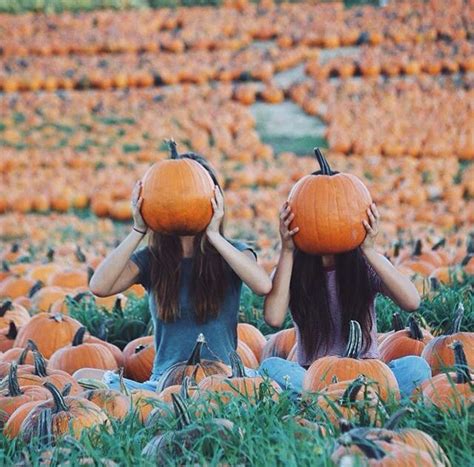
(329, 208)
(279, 344)
(8, 336)
(115, 404)
(12, 312)
(177, 196)
(194, 366)
(80, 354)
(321, 373)
(409, 341)
(246, 354)
(49, 331)
(252, 337)
(139, 356)
(438, 353)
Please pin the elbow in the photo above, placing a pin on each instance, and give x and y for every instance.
(264, 287)
(412, 303)
(274, 323)
(96, 289)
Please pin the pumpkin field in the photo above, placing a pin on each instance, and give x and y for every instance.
(91, 92)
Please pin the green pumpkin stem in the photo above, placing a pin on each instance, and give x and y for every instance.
(414, 329)
(181, 411)
(59, 402)
(40, 364)
(323, 163)
(139, 348)
(463, 374)
(66, 390)
(14, 389)
(185, 385)
(418, 248)
(12, 331)
(50, 254)
(394, 420)
(397, 324)
(354, 345)
(30, 347)
(79, 336)
(351, 392)
(43, 428)
(5, 266)
(195, 357)
(173, 148)
(7, 305)
(15, 248)
(123, 387)
(369, 448)
(238, 370)
(459, 315)
(439, 244)
(80, 256)
(36, 286)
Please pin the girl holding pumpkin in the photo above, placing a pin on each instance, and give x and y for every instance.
(324, 292)
(194, 283)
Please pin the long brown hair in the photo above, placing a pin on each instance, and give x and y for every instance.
(309, 298)
(209, 269)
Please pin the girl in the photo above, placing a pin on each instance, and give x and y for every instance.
(325, 292)
(193, 284)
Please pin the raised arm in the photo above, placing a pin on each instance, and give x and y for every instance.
(397, 286)
(243, 263)
(117, 272)
(277, 301)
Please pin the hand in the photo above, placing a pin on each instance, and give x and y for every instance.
(372, 228)
(286, 217)
(137, 200)
(217, 202)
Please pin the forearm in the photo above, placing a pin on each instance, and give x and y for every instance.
(108, 272)
(245, 267)
(399, 286)
(277, 301)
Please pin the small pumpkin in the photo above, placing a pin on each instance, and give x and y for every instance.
(13, 312)
(328, 209)
(7, 337)
(139, 356)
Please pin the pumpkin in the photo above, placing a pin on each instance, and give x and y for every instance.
(279, 344)
(61, 415)
(409, 341)
(19, 354)
(246, 354)
(397, 325)
(15, 396)
(328, 209)
(7, 337)
(14, 287)
(177, 196)
(450, 390)
(437, 352)
(322, 371)
(194, 366)
(252, 337)
(115, 404)
(139, 356)
(50, 332)
(238, 384)
(116, 352)
(79, 355)
(12, 312)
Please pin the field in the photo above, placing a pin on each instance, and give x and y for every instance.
(90, 91)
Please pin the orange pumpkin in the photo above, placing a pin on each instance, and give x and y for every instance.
(139, 356)
(12, 312)
(328, 209)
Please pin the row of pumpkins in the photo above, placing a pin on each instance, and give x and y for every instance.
(32, 386)
(322, 25)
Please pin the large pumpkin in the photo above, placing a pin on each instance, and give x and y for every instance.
(329, 208)
(177, 196)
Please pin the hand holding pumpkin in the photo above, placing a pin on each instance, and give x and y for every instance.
(217, 202)
(372, 228)
(137, 200)
(286, 217)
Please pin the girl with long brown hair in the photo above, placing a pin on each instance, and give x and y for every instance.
(193, 283)
(324, 293)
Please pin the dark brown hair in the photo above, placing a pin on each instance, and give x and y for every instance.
(309, 298)
(209, 269)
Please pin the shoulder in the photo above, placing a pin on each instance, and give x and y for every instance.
(142, 258)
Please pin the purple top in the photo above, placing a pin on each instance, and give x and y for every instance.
(338, 344)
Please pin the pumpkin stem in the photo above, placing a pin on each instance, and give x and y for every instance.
(36, 286)
(439, 244)
(40, 364)
(434, 284)
(414, 329)
(181, 411)
(394, 420)
(6, 306)
(195, 357)
(351, 392)
(79, 336)
(31, 346)
(90, 273)
(323, 163)
(117, 308)
(184, 390)
(139, 348)
(173, 148)
(50, 254)
(12, 331)
(397, 324)
(463, 374)
(58, 317)
(43, 427)
(369, 448)
(15, 248)
(123, 388)
(354, 344)
(59, 402)
(418, 248)
(5, 266)
(14, 389)
(66, 390)
(459, 315)
(238, 370)
(345, 425)
(396, 249)
(80, 256)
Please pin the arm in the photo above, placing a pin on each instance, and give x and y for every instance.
(277, 301)
(397, 286)
(117, 272)
(243, 263)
